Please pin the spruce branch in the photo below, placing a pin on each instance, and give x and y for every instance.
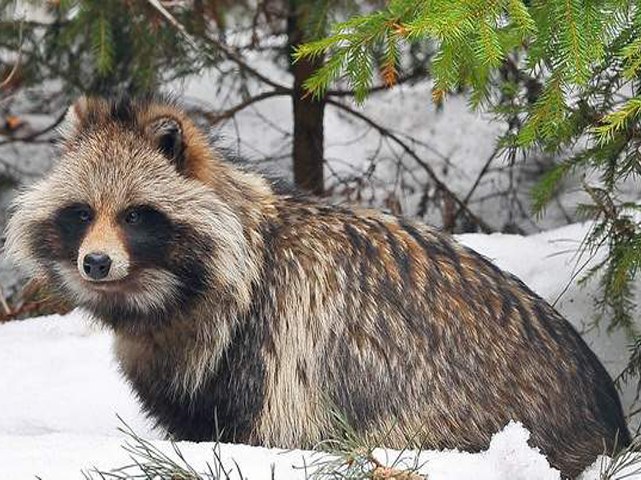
(150, 462)
(624, 464)
(350, 456)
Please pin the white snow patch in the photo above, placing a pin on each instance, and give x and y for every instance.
(63, 456)
(58, 375)
(508, 457)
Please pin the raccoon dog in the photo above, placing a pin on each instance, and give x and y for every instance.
(245, 311)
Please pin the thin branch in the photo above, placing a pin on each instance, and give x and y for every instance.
(35, 135)
(30, 23)
(480, 176)
(16, 66)
(428, 169)
(12, 72)
(216, 117)
(224, 49)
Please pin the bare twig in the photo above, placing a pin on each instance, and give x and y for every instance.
(224, 49)
(215, 117)
(12, 73)
(476, 183)
(16, 65)
(428, 169)
(35, 135)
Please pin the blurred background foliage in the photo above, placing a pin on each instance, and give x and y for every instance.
(126, 46)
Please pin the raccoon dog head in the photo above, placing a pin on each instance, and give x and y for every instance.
(126, 223)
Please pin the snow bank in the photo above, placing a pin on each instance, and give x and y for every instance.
(63, 456)
(58, 376)
(61, 389)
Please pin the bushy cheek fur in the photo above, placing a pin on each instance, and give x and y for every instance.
(26, 214)
(168, 264)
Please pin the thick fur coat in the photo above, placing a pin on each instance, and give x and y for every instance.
(245, 312)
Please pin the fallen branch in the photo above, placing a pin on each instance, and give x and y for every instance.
(33, 299)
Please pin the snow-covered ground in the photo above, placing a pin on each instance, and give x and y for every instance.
(61, 389)
(62, 455)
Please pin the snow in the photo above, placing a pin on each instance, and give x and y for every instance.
(59, 376)
(508, 458)
(61, 389)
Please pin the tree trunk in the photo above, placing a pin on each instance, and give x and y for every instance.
(308, 112)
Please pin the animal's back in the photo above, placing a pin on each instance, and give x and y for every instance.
(416, 339)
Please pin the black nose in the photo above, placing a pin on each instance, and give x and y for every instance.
(96, 265)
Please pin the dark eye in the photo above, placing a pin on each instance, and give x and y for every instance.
(134, 217)
(84, 215)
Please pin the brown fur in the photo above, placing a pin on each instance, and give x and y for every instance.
(266, 309)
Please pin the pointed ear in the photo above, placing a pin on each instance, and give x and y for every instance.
(72, 120)
(167, 135)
